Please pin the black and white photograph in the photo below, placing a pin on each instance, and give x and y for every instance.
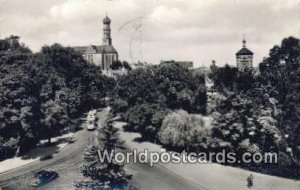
(150, 94)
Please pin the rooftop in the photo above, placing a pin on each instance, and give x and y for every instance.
(95, 49)
(244, 51)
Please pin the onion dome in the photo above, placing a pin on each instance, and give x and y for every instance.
(106, 20)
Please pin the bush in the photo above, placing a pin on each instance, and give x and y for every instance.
(8, 148)
(181, 130)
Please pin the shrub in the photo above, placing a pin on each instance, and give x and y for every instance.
(181, 130)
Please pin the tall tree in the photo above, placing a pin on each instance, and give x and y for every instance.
(107, 171)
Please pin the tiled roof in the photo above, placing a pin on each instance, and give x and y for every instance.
(244, 51)
(105, 49)
(80, 49)
(98, 49)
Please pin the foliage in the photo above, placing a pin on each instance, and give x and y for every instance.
(230, 79)
(249, 122)
(145, 96)
(41, 93)
(261, 112)
(244, 123)
(171, 86)
(107, 172)
(116, 65)
(145, 119)
(181, 130)
(224, 77)
(281, 71)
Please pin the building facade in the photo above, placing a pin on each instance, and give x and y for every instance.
(244, 58)
(103, 55)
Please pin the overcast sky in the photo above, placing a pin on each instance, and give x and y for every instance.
(154, 30)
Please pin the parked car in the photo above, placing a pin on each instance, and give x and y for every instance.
(42, 177)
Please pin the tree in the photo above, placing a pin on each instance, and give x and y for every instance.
(146, 95)
(281, 71)
(55, 120)
(17, 98)
(107, 172)
(183, 131)
(116, 65)
(230, 79)
(138, 86)
(171, 86)
(42, 92)
(224, 78)
(126, 65)
(246, 122)
(259, 112)
(145, 119)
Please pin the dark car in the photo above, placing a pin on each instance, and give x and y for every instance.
(42, 177)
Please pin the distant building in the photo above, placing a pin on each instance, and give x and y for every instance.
(139, 65)
(202, 70)
(187, 64)
(103, 55)
(244, 58)
(213, 66)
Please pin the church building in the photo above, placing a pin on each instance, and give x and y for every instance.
(103, 55)
(244, 58)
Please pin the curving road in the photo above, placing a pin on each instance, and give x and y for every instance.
(68, 158)
(67, 162)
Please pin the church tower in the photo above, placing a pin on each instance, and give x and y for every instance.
(102, 55)
(106, 40)
(244, 58)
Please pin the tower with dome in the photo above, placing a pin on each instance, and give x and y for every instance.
(102, 55)
(106, 31)
(244, 58)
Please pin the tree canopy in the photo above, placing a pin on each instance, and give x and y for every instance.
(41, 93)
(146, 95)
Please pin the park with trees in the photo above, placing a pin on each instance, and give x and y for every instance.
(253, 112)
(42, 94)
